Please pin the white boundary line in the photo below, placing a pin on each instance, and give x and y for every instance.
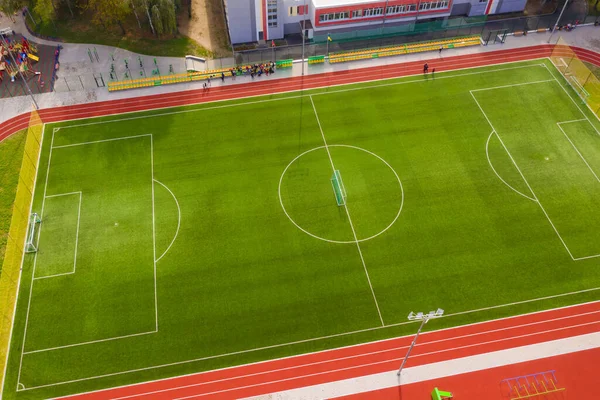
(178, 220)
(487, 153)
(240, 102)
(153, 231)
(52, 147)
(34, 262)
(339, 334)
(12, 327)
(523, 176)
(326, 337)
(76, 238)
(366, 354)
(348, 214)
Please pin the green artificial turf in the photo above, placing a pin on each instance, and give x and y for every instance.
(241, 282)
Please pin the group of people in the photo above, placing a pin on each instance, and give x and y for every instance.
(255, 70)
(426, 69)
(568, 27)
(252, 70)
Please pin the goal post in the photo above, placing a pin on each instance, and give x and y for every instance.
(338, 188)
(577, 74)
(30, 244)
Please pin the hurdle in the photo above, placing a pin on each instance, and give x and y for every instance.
(438, 394)
(533, 385)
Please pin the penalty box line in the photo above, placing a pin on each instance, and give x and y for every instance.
(536, 199)
(348, 214)
(45, 196)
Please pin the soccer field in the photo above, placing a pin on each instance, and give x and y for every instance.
(189, 239)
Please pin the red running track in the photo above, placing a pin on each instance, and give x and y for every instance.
(348, 362)
(370, 358)
(576, 372)
(273, 86)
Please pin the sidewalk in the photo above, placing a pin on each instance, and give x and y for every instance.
(75, 61)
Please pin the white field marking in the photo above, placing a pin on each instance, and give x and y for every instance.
(20, 385)
(328, 337)
(341, 241)
(348, 214)
(563, 62)
(366, 74)
(523, 176)
(487, 153)
(512, 85)
(421, 79)
(318, 338)
(12, 323)
(153, 230)
(100, 141)
(587, 257)
(63, 194)
(391, 360)
(34, 262)
(178, 220)
(361, 355)
(76, 237)
(577, 150)
(90, 342)
(35, 259)
(569, 95)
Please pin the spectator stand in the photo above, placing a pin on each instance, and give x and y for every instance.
(405, 49)
(192, 76)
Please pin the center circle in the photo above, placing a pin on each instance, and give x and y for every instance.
(375, 195)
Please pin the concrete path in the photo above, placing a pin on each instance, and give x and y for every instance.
(76, 83)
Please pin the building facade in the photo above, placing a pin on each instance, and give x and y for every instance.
(266, 20)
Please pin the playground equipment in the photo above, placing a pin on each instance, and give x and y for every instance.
(440, 394)
(533, 385)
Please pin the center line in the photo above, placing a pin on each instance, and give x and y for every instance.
(348, 214)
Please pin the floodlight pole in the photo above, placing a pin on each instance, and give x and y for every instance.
(558, 20)
(20, 73)
(303, 32)
(424, 319)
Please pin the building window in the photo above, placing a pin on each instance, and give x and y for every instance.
(334, 16)
(272, 13)
(434, 5)
(356, 13)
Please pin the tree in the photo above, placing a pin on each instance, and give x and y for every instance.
(168, 16)
(10, 7)
(149, 16)
(135, 13)
(109, 12)
(156, 19)
(46, 11)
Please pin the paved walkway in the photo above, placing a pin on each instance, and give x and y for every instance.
(75, 62)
